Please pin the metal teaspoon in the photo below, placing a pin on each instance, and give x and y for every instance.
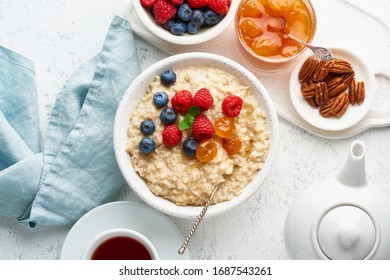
(197, 222)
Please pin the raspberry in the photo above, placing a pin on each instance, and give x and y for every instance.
(171, 135)
(148, 3)
(221, 7)
(164, 11)
(177, 2)
(182, 101)
(203, 99)
(202, 128)
(198, 3)
(232, 105)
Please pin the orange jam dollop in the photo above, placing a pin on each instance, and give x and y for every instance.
(206, 150)
(224, 127)
(232, 145)
(263, 24)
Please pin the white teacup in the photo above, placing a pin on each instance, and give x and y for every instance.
(120, 244)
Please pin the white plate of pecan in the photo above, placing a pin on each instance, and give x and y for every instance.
(332, 95)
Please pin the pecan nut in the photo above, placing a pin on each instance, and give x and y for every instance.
(307, 70)
(356, 92)
(322, 94)
(322, 70)
(361, 93)
(335, 106)
(337, 89)
(325, 109)
(308, 90)
(340, 66)
(348, 77)
(339, 83)
(315, 94)
(334, 81)
(311, 101)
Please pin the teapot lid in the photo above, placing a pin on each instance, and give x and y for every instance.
(346, 232)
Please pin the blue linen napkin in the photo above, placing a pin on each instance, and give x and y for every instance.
(76, 169)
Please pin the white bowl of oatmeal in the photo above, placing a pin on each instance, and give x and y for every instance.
(167, 179)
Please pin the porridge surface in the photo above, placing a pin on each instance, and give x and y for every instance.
(184, 181)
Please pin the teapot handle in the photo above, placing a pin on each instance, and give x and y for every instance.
(379, 117)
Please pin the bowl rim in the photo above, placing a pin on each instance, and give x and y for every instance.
(310, 6)
(123, 159)
(185, 39)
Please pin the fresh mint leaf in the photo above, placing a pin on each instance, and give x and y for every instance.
(184, 125)
(186, 122)
(194, 111)
(189, 118)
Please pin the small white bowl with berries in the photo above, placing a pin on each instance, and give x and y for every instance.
(186, 22)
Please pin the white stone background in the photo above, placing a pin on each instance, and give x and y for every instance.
(58, 35)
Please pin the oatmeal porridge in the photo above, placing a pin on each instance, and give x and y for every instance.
(184, 180)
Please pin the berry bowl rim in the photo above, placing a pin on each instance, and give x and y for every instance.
(185, 39)
(130, 101)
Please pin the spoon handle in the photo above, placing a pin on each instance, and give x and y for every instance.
(311, 47)
(320, 52)
(197, 222)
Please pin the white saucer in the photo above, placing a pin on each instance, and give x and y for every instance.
(161, 231)
(354, 113)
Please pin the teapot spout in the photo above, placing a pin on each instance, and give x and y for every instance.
(353, 172)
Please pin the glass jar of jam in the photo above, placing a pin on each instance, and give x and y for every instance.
(262, 26)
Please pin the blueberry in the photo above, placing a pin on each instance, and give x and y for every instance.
(178, 28)
(168, 116)
(192, 28)
(168, 25)
(147, 127)
(189, 147)
(197, 18)
(168, 78)
(185, 12)
(160, 99)
(147, 145)
(211, 17)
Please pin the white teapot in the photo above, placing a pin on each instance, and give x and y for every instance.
(343, 217)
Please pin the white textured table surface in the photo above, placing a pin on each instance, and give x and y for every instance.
(59, 35)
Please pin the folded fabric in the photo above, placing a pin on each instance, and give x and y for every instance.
(76, 169)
